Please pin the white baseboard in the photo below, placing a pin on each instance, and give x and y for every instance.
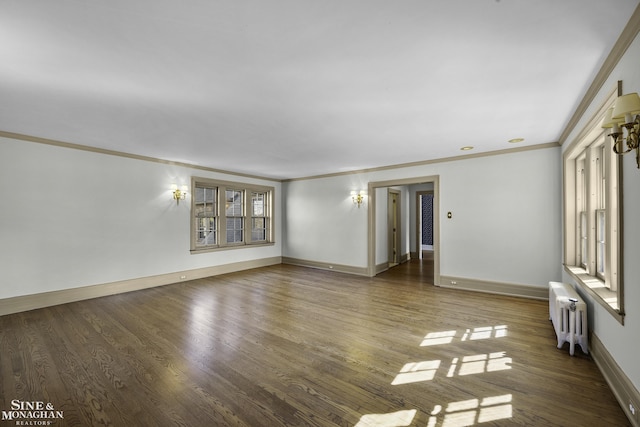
(360, 271)
(47, 299)
(382, 267)
(526, 291)
(622, 388)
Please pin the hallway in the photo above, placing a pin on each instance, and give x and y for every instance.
(417, 270)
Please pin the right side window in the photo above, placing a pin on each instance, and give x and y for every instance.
(592, 219)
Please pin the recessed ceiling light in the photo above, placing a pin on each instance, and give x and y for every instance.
(514, 140)
(467, 148)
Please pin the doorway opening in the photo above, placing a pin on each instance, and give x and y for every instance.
(378, 225)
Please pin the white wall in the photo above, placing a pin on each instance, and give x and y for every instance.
(622, 342)
(322, 223)
(73, 218)
(505, 227)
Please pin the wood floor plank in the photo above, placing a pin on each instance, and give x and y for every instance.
(291, 346)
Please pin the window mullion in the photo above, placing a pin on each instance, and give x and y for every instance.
(575, 206)
(581, 212)
(591, 207)
(247, 211)
(612, 219)
(222, 200)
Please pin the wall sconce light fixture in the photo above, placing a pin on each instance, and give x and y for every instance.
(179, 193)
(357, 197)
(624, 115)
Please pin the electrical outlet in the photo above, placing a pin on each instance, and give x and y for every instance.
(634, 409)
(183, 277)
(453, 282)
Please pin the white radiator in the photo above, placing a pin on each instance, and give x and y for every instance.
(568, 312)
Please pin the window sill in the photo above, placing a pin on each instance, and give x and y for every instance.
(229, 247)
(595, 287)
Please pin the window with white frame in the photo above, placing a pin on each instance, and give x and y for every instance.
(592, 218)
(221, 212)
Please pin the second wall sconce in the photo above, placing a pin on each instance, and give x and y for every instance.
(179, 193)
(357, 197)
(625, 115)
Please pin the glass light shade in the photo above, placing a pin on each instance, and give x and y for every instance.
(628, 104)
(608, 121)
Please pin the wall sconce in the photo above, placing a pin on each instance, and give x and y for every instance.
(624, 115)
(179, 193)
(357, 197)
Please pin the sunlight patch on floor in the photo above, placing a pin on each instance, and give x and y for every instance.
(472, 411)
(454, 414)
(394, 419)
(438, 338)
(469, 365)
(480, 333)
(417, 372)
(480, 363)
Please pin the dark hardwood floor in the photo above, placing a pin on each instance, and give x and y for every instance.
(286, 345)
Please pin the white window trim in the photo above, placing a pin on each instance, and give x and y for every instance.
(588, 142)
(246, 189)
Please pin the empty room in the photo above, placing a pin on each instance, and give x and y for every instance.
(306, 213)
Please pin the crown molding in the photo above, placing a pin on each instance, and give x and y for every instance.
(430, 162)
(46, 141)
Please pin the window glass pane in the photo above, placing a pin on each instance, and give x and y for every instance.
(257, 204)
(258, 229)
(600, 173)
(206, 231)
(205, 213)
(234, 213)
(233, 202)
(583, 239)
(258, 220)
(600, 241)
(205, 202)
(234, 230)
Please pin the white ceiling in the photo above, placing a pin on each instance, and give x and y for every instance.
(293, 88)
